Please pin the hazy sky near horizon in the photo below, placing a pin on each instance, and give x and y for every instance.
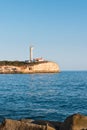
(56, 28)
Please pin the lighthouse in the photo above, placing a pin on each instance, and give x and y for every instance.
(31, 53)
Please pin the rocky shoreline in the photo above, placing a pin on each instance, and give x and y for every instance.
(73, 122)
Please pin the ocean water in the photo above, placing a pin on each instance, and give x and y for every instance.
(43, 96)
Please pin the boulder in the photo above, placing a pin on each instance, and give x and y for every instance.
(75, 122)
(9, 124)
(20, 125)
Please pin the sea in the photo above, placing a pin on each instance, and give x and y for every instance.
(43, 96)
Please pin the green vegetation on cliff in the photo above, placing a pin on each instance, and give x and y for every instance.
(19, 63)
(12, 63)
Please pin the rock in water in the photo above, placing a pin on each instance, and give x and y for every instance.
(75, 122)
(9, 124)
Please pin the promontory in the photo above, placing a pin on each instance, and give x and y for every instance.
(7, 67)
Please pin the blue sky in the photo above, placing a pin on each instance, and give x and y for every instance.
(56, 28)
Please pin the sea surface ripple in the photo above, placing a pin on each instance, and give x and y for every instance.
(43, 96)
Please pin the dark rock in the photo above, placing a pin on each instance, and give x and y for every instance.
(53, 124)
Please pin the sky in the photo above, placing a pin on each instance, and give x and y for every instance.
(57, 29)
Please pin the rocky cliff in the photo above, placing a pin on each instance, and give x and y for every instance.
(34, 67)
(74, 122)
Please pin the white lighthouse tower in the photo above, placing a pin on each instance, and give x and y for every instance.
(31, 53)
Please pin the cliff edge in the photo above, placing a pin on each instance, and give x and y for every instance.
(33, 67)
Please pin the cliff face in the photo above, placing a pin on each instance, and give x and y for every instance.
(45, 67)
